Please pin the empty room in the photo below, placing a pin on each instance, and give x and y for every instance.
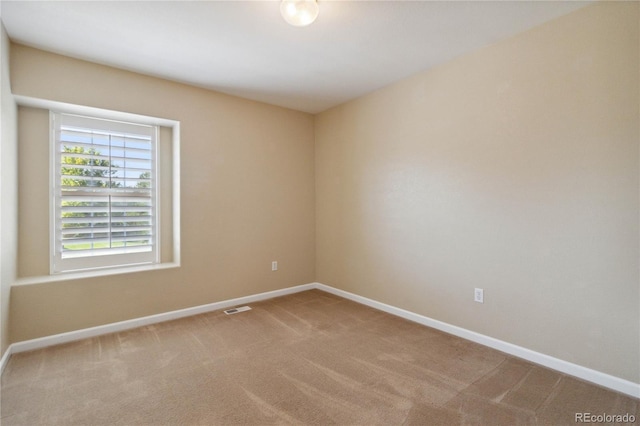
(319, 212)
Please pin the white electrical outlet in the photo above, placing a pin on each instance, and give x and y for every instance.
(274, 265)
(478, 295)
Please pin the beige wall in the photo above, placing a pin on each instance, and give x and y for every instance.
(8, 190)
(247, 198)
(514, 169)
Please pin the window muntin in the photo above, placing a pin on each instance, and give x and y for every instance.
(105, 204)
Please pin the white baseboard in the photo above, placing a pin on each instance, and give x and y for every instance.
(5, 359)
(606, 380)
(115, 327)
(593, 376)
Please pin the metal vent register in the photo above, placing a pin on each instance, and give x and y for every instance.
(236, 310)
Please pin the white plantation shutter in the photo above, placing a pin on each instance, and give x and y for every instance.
(105, 197)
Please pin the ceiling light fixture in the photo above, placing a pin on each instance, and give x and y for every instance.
(299, 13)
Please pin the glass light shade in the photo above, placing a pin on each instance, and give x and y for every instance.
(299, 12)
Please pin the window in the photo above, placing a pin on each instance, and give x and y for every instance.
(105, 193)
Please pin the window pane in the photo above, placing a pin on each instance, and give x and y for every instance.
(105, 198)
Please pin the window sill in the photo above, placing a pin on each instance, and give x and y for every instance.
(92, 274)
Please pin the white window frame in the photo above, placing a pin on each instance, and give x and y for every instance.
(174, 250)
(64, 262)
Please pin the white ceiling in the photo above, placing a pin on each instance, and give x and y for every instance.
(245, 48)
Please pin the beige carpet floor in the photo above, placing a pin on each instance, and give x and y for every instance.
(307, 358)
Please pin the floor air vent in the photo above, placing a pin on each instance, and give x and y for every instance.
(236, 310)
